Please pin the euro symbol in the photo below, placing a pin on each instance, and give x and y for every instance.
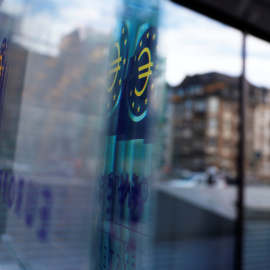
(116, 68)
(146, 73)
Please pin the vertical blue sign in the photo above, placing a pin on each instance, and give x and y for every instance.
(124, 191)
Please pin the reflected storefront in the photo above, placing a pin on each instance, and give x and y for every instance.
(133, 135)
(50, 128)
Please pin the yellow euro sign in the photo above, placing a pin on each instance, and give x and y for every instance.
(116, 68)
(146, 73)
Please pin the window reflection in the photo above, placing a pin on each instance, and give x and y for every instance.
(53, 59)
(197, 189)
(257, 192)
(50, 130)
(208, 125)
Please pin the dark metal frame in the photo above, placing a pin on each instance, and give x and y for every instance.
(230, 19)
(239, 230)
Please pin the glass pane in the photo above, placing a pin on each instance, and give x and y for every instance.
(257, 189)
(196, 187)
(132, 102)
(101, 167)
(53, 62)
(79, 90)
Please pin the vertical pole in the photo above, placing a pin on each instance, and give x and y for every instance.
(241, 162)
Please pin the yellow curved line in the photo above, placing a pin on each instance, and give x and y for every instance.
(117, 68)
(145, 74)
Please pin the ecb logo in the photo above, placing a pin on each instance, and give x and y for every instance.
(141, 84)
(118, 61)
(136, 79)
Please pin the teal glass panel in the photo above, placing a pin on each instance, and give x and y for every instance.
(131, 104)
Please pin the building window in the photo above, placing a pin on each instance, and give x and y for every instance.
(179, 108)
(227, 106)
(213, 104)
(181, 92)
(187, 124)
(212, 123)
(188, 104)
(198, 144)
(212, 142)
(198, 125)
(226, 124)
(200, 106)
(186, 144)
(198, 90)
(226, 144)
(190, 90)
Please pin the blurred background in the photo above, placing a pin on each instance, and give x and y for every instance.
(200, 170)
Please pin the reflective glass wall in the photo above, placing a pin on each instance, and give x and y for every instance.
(196, 189)
(80, 85)
(102, 165)
(257, 189)
(53, 64)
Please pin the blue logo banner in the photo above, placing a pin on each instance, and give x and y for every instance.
(133, 93)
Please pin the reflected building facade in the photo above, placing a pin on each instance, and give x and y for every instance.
(203, 119)
(49, 136)
(51, 143)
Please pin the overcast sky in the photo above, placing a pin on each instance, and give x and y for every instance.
(196, 44)
(191, 43)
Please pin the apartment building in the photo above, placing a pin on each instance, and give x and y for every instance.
(204, 120)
